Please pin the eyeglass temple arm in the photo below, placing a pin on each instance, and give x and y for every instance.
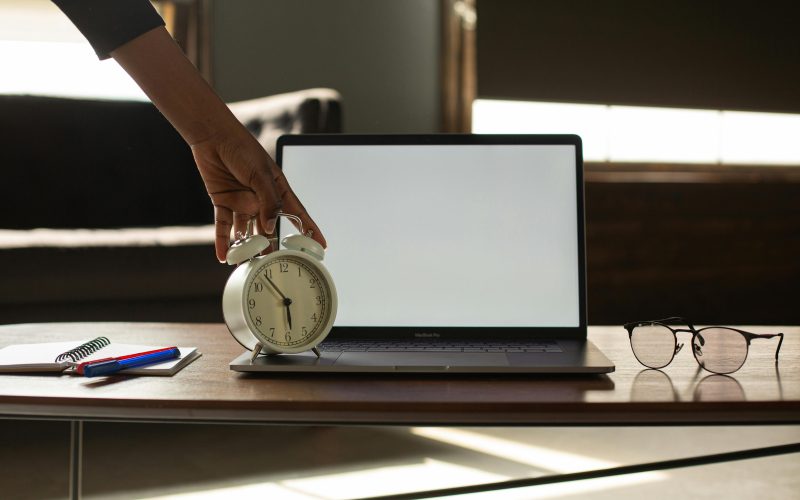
(677, 319)
(673, 319)
(752, 335)
(780, 341)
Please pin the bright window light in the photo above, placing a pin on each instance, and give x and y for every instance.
(42, 53)
(661, 134)
(648, 134)
(62, 69)
(517, 117)
(763, 138)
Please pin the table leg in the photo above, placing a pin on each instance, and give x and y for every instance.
(75, 458)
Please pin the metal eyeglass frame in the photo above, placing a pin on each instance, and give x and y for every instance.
(748, 336)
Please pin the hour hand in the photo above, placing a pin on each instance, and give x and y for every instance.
(286, 301)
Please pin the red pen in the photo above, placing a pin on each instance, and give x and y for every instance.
(80, 367)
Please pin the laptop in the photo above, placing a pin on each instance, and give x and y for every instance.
(450, 253)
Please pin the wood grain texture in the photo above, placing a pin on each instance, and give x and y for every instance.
(208, 391)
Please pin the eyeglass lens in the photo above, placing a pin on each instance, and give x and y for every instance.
(653, 345)
(720, 350)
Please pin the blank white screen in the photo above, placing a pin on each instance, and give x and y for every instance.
(445, 235)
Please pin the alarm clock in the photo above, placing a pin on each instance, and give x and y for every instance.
(280, 303)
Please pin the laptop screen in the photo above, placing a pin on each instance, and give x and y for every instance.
(430, 235)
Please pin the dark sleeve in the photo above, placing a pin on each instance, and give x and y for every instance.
(109, 24)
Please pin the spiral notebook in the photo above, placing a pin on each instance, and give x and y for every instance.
(61, 356)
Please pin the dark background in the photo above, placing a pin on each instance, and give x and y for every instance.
(716, 54)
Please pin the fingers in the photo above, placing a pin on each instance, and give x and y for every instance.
(240, 222)
(260, 230)
(223, 222)
(270, 203)
(267, 196)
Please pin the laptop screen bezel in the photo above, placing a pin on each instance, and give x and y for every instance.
(443, 333)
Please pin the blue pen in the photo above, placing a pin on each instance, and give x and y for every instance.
(113, 366)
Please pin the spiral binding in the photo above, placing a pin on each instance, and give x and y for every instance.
(83, 350)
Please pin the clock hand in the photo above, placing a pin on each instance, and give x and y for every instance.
(286, 301)
(276, 288)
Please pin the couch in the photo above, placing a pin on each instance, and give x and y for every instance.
(103, 215)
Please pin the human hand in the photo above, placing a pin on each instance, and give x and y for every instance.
(244, 183)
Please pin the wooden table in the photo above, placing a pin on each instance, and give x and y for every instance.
(208, 391)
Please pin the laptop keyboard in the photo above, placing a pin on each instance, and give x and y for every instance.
(406, 346)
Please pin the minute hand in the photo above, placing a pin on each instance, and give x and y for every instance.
(286, 301)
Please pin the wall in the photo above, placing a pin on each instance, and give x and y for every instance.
(382, 55)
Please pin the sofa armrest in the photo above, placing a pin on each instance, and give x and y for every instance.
(311, 111)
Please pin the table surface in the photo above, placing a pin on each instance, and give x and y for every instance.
(208, 391)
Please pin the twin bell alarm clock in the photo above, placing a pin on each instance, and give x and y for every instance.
(280, 303)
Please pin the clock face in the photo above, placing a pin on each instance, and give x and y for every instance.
(288, 301)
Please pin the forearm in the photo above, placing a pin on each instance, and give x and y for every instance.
(160, 68)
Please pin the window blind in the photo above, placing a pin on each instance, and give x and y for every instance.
(712, 54)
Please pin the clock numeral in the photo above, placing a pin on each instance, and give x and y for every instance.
(259, 287)
(299, 271)
(305, 332)
(314, 317)
(288, 336)
(272, 332)
(284, 267)
(319, 300)
(268, 273)
(258, 320)
(251, 303)
(312, 283)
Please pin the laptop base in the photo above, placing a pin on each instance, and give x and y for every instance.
(576, 357)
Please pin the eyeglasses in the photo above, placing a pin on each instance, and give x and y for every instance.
(718, 349)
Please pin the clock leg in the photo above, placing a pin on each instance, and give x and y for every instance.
(256, 352)
(316, 351)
